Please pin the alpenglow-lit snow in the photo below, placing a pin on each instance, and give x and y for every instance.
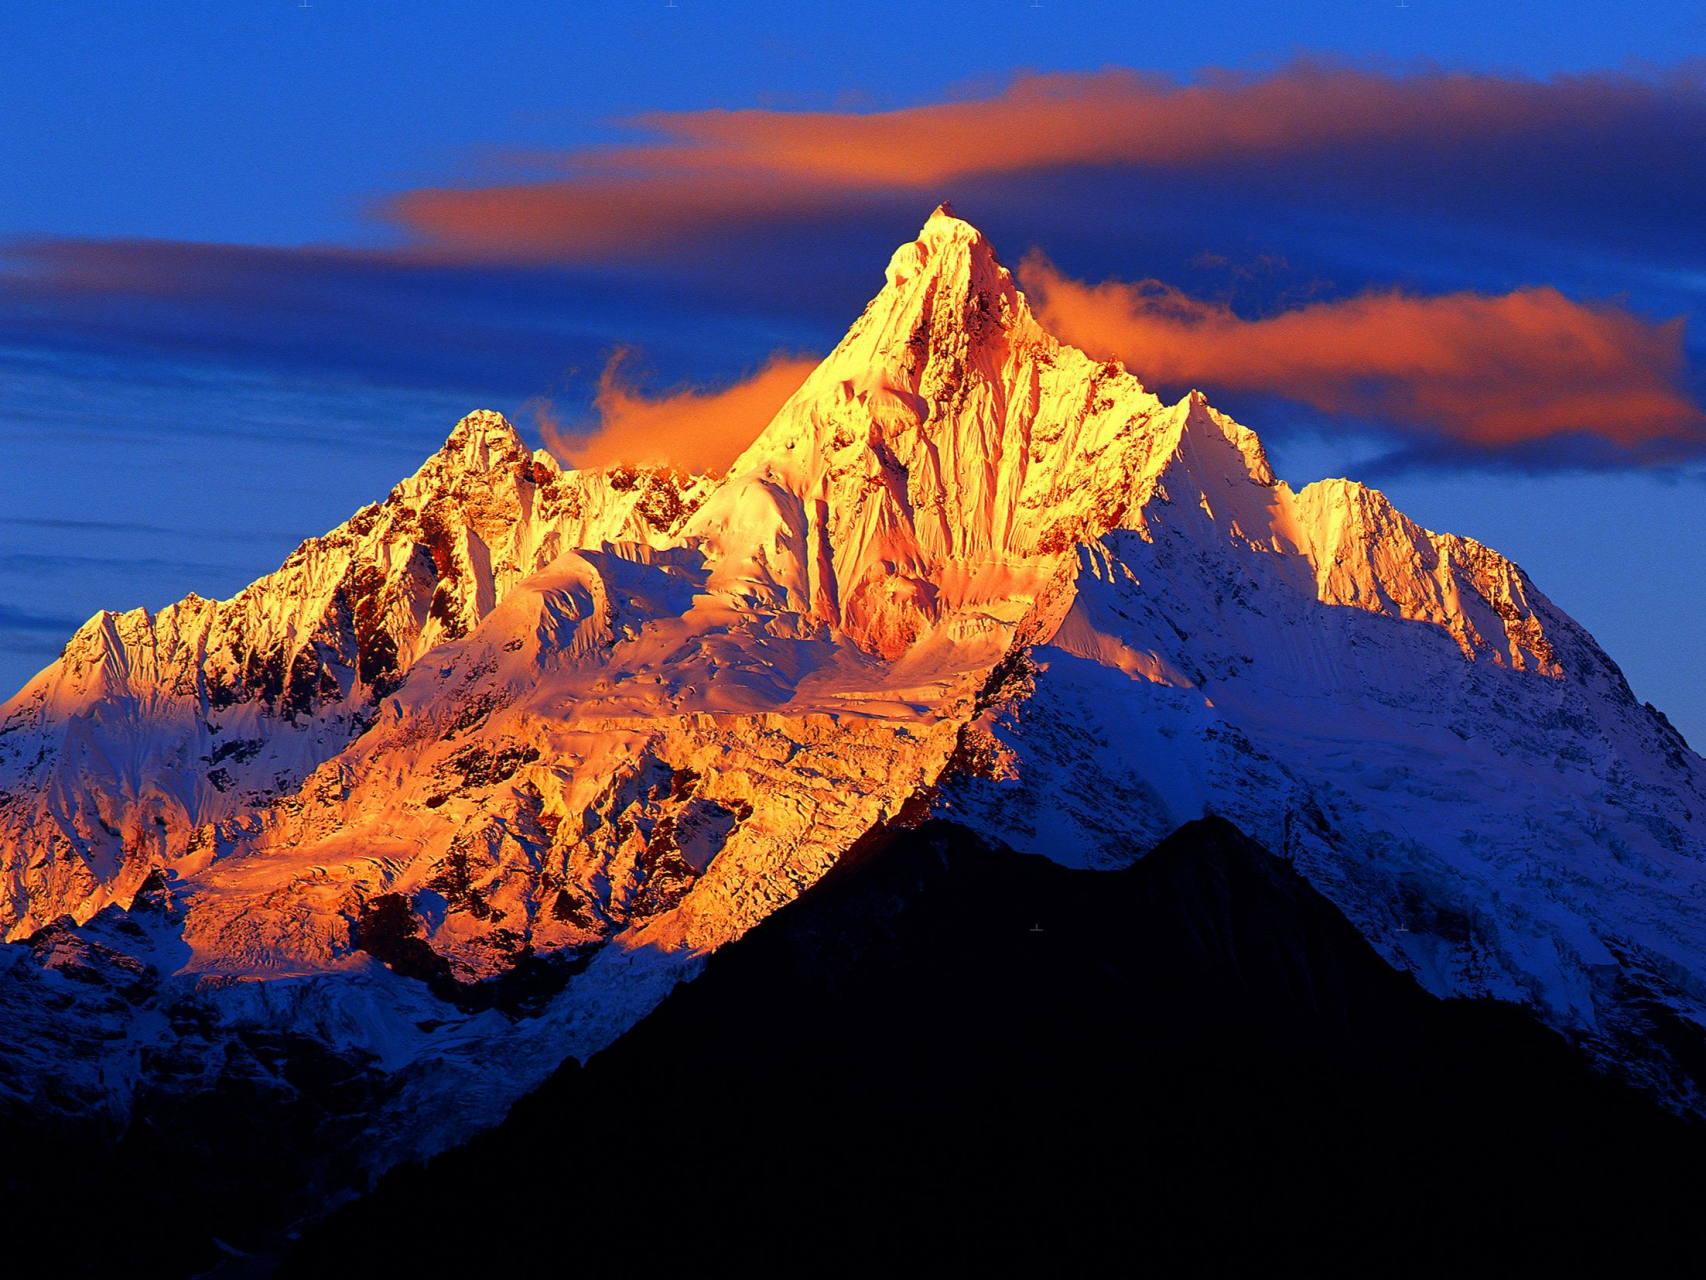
(623, 715)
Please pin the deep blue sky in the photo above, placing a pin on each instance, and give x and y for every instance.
(185, 435)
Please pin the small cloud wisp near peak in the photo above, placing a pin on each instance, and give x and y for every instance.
(694, 429)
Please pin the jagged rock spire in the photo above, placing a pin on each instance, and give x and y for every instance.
(484, 439)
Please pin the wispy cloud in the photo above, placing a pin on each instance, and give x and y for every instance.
(1486, 145)
(23, 620)
(691, 428)
(136, 526)
(716, 235)
(1479, 371)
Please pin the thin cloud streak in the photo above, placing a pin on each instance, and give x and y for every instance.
(23, 620)
(132, 526)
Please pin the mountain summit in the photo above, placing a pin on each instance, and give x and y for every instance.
(941, 459)
(473, 780)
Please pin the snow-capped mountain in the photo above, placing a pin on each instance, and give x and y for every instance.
(585, 727)
(151, 726)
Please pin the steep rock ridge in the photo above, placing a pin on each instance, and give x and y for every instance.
(927, 477)
(150, 725)
(628, 715)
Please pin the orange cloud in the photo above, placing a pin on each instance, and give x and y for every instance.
(703, 169)
(1113, 116)
(693, 429)
(1488, 371)
(660, 216)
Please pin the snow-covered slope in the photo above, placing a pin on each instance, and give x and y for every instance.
(592, 725)
(1445, 754)
(151, 725)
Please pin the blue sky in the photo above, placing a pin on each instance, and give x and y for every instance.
(216, 337)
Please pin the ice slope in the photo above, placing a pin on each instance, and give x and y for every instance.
(616, 718)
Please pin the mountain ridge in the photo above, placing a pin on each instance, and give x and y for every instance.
(625, 715)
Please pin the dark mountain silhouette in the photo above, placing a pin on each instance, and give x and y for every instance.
(951, 1054)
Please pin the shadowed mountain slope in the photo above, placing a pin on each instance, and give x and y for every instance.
(947, 1052)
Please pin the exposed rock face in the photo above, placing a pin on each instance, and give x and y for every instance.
(931, 473)
(617, 718)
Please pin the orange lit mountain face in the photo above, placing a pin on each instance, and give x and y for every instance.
(471, 782)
